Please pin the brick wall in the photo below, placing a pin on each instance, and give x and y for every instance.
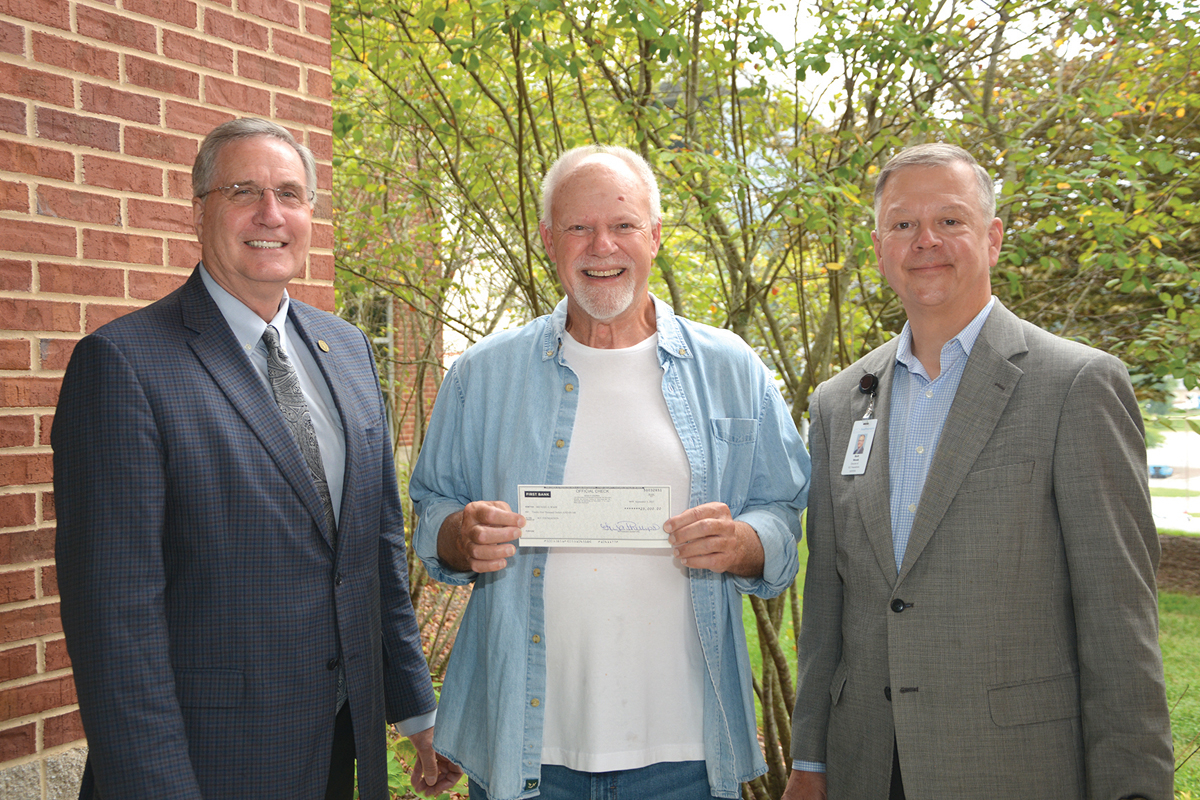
(102, 107)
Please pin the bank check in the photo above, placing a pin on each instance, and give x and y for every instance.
(594, 516)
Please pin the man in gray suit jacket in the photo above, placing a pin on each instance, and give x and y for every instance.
(980, 615)
(230, 543)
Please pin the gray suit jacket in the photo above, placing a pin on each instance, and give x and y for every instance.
(1024, 659)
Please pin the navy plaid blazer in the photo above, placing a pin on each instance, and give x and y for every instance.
(203, 605)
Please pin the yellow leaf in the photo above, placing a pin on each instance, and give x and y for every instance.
(833, 266)
(1179, 112)
(1154, 240)
(1062, 185)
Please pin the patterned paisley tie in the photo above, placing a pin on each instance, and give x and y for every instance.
(286, 387)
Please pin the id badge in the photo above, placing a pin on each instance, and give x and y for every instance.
(858, 449)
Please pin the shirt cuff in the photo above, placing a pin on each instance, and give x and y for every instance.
(808, 766)
(416, 724)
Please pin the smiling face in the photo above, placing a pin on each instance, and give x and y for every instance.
(933, 244)
(253, 251)
(603, 243)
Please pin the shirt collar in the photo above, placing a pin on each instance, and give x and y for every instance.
(247, 326)
(670, 335)
(965, 339)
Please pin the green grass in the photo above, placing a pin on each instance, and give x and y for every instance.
(1163, 491)
(1179, 635)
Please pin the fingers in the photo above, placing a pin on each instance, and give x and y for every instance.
(707, 537)
(480, 537)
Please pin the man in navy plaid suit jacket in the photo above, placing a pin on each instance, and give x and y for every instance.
(227, 640)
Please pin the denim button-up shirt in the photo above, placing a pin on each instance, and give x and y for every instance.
(504, 417)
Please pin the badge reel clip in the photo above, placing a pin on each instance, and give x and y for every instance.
(862, 434)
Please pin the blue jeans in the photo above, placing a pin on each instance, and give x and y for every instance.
(667, 780)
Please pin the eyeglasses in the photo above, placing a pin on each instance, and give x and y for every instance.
(247, 194)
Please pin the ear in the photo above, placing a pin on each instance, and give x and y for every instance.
(995, 235)
(547, 241)
(198, 217)
(656, 237)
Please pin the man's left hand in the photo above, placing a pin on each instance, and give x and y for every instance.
(708, 537)
(432, 773)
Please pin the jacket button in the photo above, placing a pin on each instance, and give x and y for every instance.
(898, 605)
(332, 664)
(887, 692)
(337, 579)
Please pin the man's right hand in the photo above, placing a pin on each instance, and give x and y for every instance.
(480, 537)
(804, 786)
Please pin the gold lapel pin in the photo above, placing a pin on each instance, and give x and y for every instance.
(321, 344)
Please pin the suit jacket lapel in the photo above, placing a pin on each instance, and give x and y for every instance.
(220, 353)
(314, 326)
(988, 382)
(873, 488)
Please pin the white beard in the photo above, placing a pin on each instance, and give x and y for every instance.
(603, 303)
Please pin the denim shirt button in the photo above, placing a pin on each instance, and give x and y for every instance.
(559, 443)
(537, 573)
(570, 387)
(535, 702)
(536, 639)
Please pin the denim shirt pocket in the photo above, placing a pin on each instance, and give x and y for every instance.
(734, 440)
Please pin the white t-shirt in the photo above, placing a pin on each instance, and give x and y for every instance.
(624, 668)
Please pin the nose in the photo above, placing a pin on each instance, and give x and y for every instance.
(268, 211)
(927, 237)
(603, 241)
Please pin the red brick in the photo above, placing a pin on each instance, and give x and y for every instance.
(158, 216)
(62, 729)
(16, 275)
(280, 11)
(61, 126)
(19, 662)
(181, 253)
(201, 52)
(27, 468)
(24, 236)
(14, 354)
(98, 315)
(12, 115)
(121, 247)
(17, 511)
(179, 185)
(160, 146)
(17, 431)
(25, 546)
(47, 497)
(305, 111)
(180, 12)
(125, 176)
(14, 196)
(39, 315)
(154, 285)
(315, 295)
(300, 48)
(50, 581)
(268, 70)
(33, 698)
(316, 22)
(193, 119)
(17, 742)
(319, 84)
(322, 235)
(126, 105)
(36, 84)
(321, 144)
(28, 392)
(55, 353)
(236, 30)
(12, 38)
(233, 94)
(55, 13)
(80, 280)
(162, 77)
(27, 159)
(56, 655)
(114, 29)
(76, 56)
(17, 586)
(54, 201)
(320, 267)
(324, 175)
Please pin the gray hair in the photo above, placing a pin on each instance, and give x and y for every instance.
(205, 169)
(565, 164)
(940, 154)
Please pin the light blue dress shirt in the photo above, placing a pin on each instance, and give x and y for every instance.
(503, 417)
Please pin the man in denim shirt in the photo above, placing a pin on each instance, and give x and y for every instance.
(600, 672)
